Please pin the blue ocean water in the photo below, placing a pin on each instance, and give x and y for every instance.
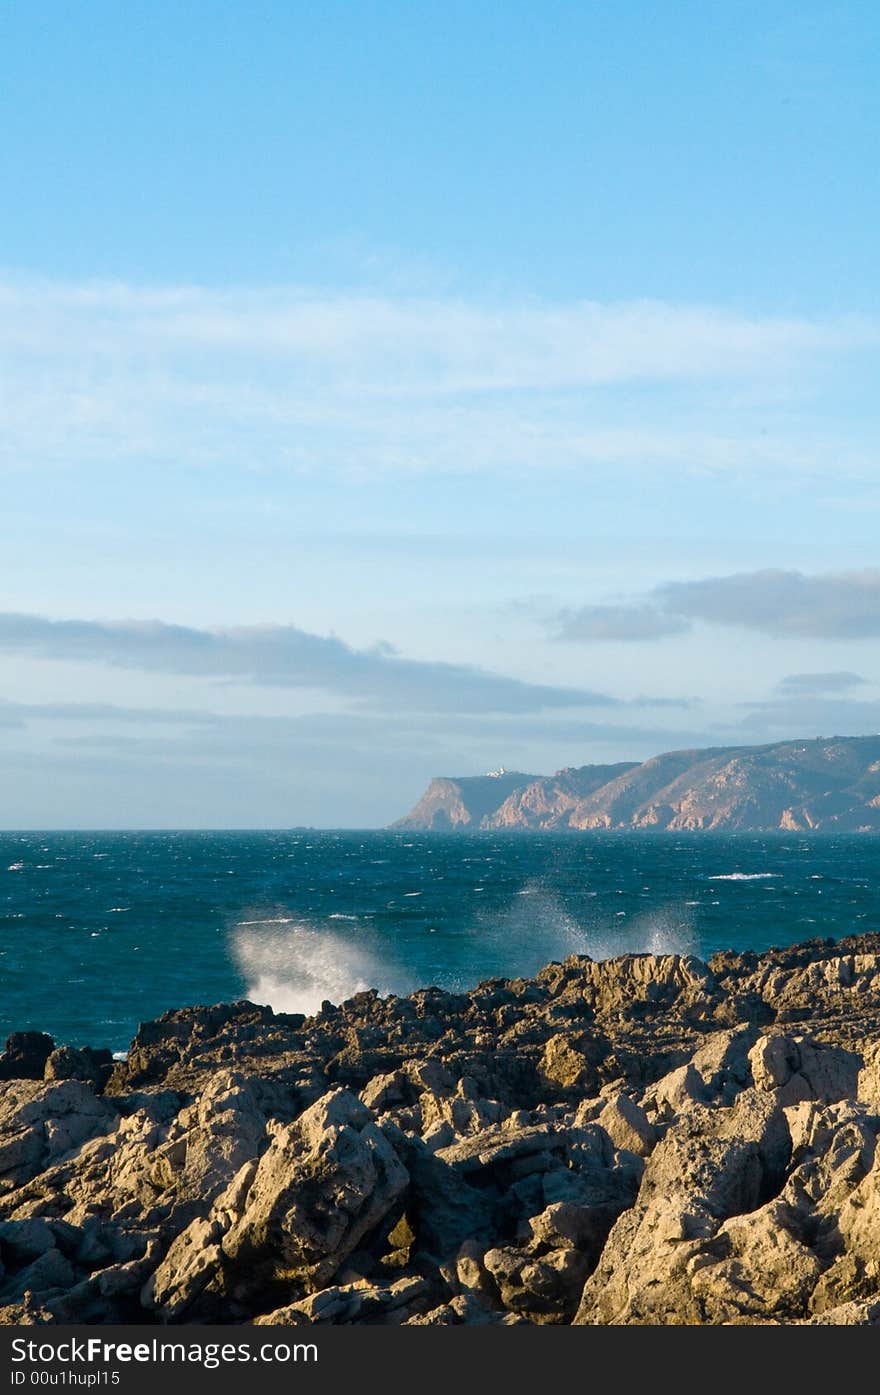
(100, 931)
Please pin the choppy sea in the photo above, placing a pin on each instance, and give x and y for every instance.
(101, 931)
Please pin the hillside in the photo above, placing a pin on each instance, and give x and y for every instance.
(467, 802)
(830, 783)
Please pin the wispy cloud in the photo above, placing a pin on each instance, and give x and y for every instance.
(589, 623)
(113, 372)
(813, 684)
(284, 656)
(784, 604)
(15, 713)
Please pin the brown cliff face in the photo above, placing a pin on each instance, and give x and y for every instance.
(467, 802)
(550, 803)
(830, 784)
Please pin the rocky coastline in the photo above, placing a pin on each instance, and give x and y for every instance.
(830, 784)
(644, 1140)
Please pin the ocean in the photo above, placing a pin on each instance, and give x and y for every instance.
(101, 931)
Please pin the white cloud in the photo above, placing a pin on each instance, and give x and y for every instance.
(193, 376)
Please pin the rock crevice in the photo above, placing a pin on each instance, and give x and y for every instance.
(646, 1140)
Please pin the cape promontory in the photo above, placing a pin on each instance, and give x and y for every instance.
(832, 784)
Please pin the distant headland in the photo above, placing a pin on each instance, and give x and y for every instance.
(830, 784)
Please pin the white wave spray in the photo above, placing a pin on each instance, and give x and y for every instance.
(294, 967)
(541, 928)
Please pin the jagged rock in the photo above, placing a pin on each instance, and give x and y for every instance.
(355, 1302)
(569, 1065)
(21, 1241)
(29, 1313)
(864, 1314)
(711, 1165)
(757, 1268)
(723, 1063)
(464, 1309)
(676, 1092)
(496, 1147)
(40, 1122)
(471, 1274)
(322, 1185)
(868, 1088)
(627, 1125)
(65, 1063)
(383, 1091)
(25, 1056)
(541, 1288)
(48, 1274)
(194, 1261)
(642, 1140)
(443, 1209)
(212, 1139)
(797, 1069)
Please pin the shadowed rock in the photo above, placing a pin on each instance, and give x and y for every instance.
(643, 1140)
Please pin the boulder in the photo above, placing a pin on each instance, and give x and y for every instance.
(323, 1184)
(25, 1056)
(66, 1063)
(798, 1069)
(42, 1121)
(712, 1164)
(569, 1065)
(627, 1125)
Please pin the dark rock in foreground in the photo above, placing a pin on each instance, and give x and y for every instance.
(644, 1140)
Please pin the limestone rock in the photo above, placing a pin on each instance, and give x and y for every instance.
(797, 1069)
(40, 1122)
(643, 1140)
(711, 1165)
(322, 1185)
(627, 1125)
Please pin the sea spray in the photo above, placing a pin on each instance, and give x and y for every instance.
(543, 898)
(537, 927)
(294, 967)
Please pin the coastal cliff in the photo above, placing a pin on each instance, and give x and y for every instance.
(467, 802)
(831, 784)
(644, 1140)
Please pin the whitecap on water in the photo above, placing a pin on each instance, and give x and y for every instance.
(273, 920)
(742, 876)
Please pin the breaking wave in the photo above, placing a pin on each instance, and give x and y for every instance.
(294, 967)
(541, 928)
(669, 930)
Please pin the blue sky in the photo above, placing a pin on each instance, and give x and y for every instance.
(391, 390)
